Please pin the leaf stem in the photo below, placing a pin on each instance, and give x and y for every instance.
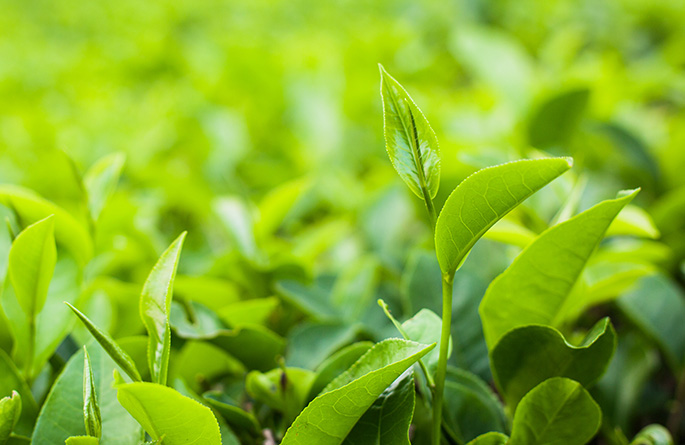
(31, 348)
(447, 289)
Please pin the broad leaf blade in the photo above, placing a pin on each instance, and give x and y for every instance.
(526, 356)
(32, 261)
(112, 348)
(101, 180)
(164, 412)
(409, 139)
(482, 199)
(535, 289)
(155, 305)
(387, 420)
(331, 416)
(91, 408)
(558, 411)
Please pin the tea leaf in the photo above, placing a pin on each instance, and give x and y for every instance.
(10, 410)
(535, 289)
(409, 139)
(237, 418)
(112, 348)
(32, 261)
(331, 416)
(155, 305)
(11, 382)
(482, 199)
(388, 419)
(526, 356)
(558, 410)
(255, 346)
(82, 440)
(555, 120)
(91, 409)
(490, 439)
(164, 412)
(653, 435)
(336, 364)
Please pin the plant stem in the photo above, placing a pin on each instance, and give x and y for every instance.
(31, 348)
(430, 207)
(447, 288)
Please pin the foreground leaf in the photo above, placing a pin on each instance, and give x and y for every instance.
(32, 261)
(91, 409)
(155, 305)
(535, 289)
(387, 420)
(11, 382)
(529, 355)
(482, 199)
(336, 365)
(409, 139)
(329, 418)
(62, 414)
(10, 410)
(115, 351)
(163, 412)
(558, 411)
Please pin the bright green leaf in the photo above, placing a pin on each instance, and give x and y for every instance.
(31, 264)
(255, 346)
(10, 411)
(557, 411)
(101, 180)
(535, 289)
(155, 305)
(332, 415)
(482, 199)
(653, 435)
(82, 440)
(490, 439)
(409, 139)
(255, 311)
(336, 364)
(91, 408)
(163, 412)
(633, 220)
(11, 381)
(526, 356)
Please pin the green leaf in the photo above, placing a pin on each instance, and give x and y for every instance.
(557, 411)
(237, 219)
(526, 356)
(387, 421)
(633, 220)
(311, 300)
(555, 120)
(163, 412)
(199, 363)
(424, 327)
(254, 311)
(657, 307)
(309, 344)
(336, 364)
(30, 207)
(409, 139)
(115, 351)
(155, 305)
(82, 440)
(653, 435)
(284, 390)
(91, 409)
(471, 408)
(332, 415)
(536, 288)
(10, 411)
(490, 439)
(101, 180)
(62, 414)
(11, 382)
(482, 199)
(32, 261)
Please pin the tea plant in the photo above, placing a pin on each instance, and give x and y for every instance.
(215, 368)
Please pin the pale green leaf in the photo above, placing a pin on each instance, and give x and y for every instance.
(424, 327)
(482, 199)
(91, 408)
(409, 139)
(558, 411)
(32, 261)
(633, 220)
(254, 311)
(117, 354)
(155, 305)
(82, 440)
(164, 412)
(490, 439)
(10, 411)
(387, 421)
(331, 416)
(653, 435)
(526, 356)
(536, 288)
(101, 180)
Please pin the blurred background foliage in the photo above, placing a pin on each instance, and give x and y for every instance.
(257, 126)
